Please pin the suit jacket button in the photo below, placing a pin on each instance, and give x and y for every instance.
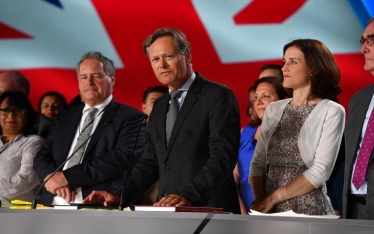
(167, 168)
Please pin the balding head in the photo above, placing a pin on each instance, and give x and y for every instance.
(14, 81)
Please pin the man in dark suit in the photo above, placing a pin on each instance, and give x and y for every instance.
(16, 81)
(195, 166)
(113, 137)
(358, 198)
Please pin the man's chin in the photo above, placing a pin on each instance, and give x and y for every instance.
(369, 68)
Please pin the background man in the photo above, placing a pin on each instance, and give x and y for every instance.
(358, 193)
(271, 70)
(112, 126)
(150, 95)
(195, 165)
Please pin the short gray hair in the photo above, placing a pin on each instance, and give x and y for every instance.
(109, 68)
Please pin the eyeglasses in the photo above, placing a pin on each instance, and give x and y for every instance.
(15, 112)
(369, 40)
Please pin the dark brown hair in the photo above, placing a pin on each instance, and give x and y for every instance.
(323, 68)
(151, 89)
(58, 95)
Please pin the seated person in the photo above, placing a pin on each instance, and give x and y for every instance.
(17, 147)
(51, 104)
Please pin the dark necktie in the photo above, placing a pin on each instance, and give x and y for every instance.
(364, 154)
(83, 137)
(172, 113)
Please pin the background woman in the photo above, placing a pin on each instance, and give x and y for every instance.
(300, 137)
(264, 91)
(17, 147)
(51, 104)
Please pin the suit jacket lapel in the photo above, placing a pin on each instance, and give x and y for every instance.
(73, 123)
(358, 116)
(189, 101)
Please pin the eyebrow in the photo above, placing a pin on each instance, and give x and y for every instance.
(369, 35)
(291, 58)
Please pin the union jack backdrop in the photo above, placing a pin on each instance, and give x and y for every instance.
(230, 39)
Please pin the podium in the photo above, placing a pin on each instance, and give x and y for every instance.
(111, 221)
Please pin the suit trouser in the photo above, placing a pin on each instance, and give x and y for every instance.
(359, 208)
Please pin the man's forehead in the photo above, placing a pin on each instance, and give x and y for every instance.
(369, 30)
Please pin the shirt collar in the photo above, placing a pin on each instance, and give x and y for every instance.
(188, 83)
(101, 106)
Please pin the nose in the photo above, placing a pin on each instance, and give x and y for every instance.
(257, 101)
(163, 63)
(284, 68)
(364, 48)
(11, 114)
(90, 79)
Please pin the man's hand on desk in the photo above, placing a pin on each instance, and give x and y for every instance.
(173, 200)
(102, 198)
(66, 194)
(57, 181)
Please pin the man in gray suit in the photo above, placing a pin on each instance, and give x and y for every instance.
(358, 197)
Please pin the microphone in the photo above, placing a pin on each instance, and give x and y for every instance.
(34, 202)
(120, 207)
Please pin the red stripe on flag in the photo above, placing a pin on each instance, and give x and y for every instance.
(7, 32)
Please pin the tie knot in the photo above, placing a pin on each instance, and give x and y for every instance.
(92, 111)
(175, 94)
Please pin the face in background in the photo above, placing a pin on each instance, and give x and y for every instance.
(265, 93)
(94, 85)
(270, 72)
(51, 106)
(150, 101)
(367, 50)
(251, 99)
(11, 123)
(169, 65)
(295, 70)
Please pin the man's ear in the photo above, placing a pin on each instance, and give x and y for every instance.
(113, 78)
(188, 57)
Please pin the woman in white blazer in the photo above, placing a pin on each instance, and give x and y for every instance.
(300, 137)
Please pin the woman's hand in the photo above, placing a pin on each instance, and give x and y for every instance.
(265, 204)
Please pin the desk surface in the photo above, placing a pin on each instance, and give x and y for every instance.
(110, 221)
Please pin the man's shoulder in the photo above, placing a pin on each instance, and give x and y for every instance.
(364, 92)
(207, 82)
(127, 108)
(209, 86)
